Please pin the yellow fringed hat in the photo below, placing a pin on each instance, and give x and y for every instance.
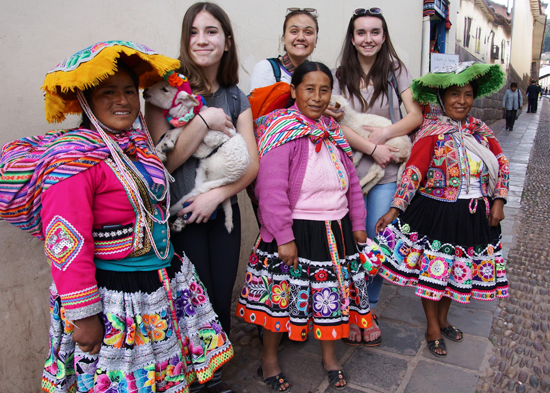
(91, 66)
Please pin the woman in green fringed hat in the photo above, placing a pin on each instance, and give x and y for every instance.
(442, 234)
(127, 314)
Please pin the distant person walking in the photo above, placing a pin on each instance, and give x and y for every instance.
(512, 101)
(532, 97)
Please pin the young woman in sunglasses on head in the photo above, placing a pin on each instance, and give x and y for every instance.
(300, 30)
(371, 76)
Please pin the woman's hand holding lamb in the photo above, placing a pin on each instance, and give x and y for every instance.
(217, 120)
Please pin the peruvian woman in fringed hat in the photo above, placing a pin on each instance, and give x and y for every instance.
(442, 234)
(127, 314)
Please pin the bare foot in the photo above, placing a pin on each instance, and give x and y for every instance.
(373, 332)
(354, 333)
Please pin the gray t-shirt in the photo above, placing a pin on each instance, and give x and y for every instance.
(185, 175)
(381, 108)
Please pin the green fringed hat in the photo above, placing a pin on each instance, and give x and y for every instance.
(488, 77)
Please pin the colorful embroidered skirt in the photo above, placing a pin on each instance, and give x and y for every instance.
(443, 249)
(141, 350)
(325, 293)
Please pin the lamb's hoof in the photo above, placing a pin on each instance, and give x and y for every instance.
(178, 224)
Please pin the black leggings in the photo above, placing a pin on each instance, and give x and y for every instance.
(215, 254)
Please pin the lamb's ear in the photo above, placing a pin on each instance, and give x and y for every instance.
(184, 97)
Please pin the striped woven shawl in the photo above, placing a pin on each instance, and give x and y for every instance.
(31, 165)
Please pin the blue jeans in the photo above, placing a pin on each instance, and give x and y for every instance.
(378, 202)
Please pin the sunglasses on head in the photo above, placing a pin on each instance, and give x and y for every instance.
(312, 11)
(370, 11)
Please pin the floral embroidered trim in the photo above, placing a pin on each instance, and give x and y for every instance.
(407, 188)
(63, 243)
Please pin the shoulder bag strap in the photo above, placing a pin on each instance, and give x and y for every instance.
(276, 68)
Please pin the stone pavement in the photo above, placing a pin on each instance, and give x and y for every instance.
(403, 363)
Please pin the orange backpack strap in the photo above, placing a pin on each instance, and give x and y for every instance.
(264, 100)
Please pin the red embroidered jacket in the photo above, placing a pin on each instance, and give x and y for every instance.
(434, 166)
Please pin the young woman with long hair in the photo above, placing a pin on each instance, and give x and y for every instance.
(370, 75)
(208, 57)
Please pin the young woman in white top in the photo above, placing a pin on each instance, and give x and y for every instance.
(300, 30)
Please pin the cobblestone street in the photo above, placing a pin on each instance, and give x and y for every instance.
(507, 343)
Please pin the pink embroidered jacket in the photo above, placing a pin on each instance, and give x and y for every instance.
(434, 168)
(75, 213)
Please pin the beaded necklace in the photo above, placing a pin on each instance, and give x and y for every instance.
(123, 163)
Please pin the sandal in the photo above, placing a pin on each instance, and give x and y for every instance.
(275, 382)
(437, 344)
(452, 333)
(377, 341)
(335, 376)
(351, 342)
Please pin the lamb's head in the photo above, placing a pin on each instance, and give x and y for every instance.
(343, 103)
(162, 95)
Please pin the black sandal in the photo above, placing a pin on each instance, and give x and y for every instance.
(335, 376)
(275, 382)
(437, 344)
(452, 333)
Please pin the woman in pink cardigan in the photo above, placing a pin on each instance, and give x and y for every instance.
(305, 273)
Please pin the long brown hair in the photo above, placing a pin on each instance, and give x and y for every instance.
(350, 73)
(228, 71)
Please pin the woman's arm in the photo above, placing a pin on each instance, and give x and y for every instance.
(191, 136)
(204, 205)
(412, 120)
(382, 154)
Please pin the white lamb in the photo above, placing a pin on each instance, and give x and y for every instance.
(356, 121)
(216, 168)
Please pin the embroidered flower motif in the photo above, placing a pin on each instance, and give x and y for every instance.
(414, 237)
(412, 258)
(321, 275)
(438, 269)
(438, 192)
(486, 270)
(279, 295)
(454, 181)
(451, 193)
(436, 244)
(453, 171)
(406, 228)
(461, 272)
(253, 260)
(184, 304)
(326, 302)
(471, 251)
(296, 273)
(197, 294)
(354, 265)
(490, 250)
(130, 331)
(284, 267)
(458, 252)
(388, 236)
(156, 326)
(302, 300)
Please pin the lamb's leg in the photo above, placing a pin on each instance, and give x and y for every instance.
(373, 176)
(228, 214)
(357, 155)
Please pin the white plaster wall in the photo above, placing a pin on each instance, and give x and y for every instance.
(469, 10)
(522, 37)
(37, 35)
